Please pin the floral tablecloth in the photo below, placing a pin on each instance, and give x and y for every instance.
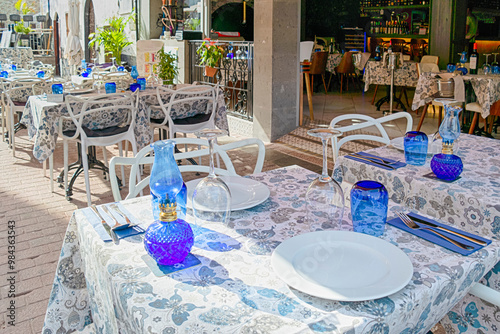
(333, 61)
(42, 117)
(471, 203)
(20, 56)
(486, 88)
(110, 289)
(378, 74)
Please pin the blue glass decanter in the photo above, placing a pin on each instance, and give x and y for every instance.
(446, 165)
(169, 239)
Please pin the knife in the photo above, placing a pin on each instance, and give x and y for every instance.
(115, 207)
(472, 239)
(374, 158)
(372, 161)
(105, 225)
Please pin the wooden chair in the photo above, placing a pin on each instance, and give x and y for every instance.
(418, 48)
(318, 67)
(399, 45)
(374, 42)
(345, 68)
(476, 108)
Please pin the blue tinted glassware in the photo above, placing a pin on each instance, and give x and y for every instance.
(450, 126)
(89, 70)
(416, 144)
(133, 73)
(57, 89)
(14, 67)
(134, 87)
(369, 202)
(447, 167)
(110, 87)
(181, 200)
(4, 74)
(121, 69)
(40, 74)
(85, 74)
(142, 82)
(169, 239)
(451, 68)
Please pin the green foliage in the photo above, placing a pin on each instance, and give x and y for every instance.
(210, 53)
(167, 66)
(23, 7)
(21, 29)
(112, 36)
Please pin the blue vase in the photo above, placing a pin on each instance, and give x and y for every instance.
(369, 202)
(169, 239)
(133, 73)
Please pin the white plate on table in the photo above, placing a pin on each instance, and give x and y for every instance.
(245, 193)
(435, 147)
(341, 265)
(80, 91)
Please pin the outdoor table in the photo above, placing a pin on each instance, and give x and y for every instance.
(110, 289)
(471, 203)
(376, 73)
(486, 88)
(42, 117)
(21, 56)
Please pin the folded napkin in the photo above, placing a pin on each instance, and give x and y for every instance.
(120, 233)
(396, 165)
(429, 236)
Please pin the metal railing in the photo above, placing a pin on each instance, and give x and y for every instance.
(234, 76)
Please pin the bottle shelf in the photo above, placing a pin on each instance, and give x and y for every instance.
(399, 36)
(395, 7)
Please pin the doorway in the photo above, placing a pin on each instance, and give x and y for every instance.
(89, 29)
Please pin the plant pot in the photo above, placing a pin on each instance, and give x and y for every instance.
(210, 71)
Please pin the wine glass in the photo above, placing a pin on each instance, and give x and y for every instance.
(113, 67)
(495, 68)
(98, 83)
(211, 197)
(324, 197)
(486, 66)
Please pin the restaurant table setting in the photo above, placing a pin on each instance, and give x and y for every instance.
(269, 266)
(22, 56)
(376, 73)
(41, 117)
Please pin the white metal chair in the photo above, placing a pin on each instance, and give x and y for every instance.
(118, 106)
(142, 159)
(368, 122)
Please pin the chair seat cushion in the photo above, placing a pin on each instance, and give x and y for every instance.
(200, 118)
(19, 104)
(111, 131)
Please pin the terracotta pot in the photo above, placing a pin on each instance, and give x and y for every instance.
(210, 71)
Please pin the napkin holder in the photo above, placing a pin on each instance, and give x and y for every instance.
(57, 98)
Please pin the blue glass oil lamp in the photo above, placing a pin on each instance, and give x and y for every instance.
(169, 239)
(446, 165)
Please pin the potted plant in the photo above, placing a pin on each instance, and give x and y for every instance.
(210, 55)
(19, 28)
(167, 67)
(112, 36)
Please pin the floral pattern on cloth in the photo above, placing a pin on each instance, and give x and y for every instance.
(471, 203)
(22, 57)
(234, 289)
(42, 117)
(378, 74)
(333, 61)
(486, 88)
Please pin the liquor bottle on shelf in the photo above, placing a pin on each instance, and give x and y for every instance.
(473, 59)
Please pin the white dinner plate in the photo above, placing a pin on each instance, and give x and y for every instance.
(80, 91)
(341, 265)
(245, 193)
(434, 147)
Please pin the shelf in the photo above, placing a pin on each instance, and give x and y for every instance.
(399, 36)
(395, 7)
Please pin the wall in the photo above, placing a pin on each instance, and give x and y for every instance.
(7, 6)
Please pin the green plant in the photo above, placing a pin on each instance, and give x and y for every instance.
(112, 36)
(210, 53)
(23, 7)
(167, 66)
(21, 29)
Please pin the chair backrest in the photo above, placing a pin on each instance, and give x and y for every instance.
(5, 41)
(430, 59)
(19, 90)
(368, 122)
(318, 65)
(398, 45)
(146, 157)
(427, 67)
(418, 47)
(120, 109)
(346, 63)
(305, 50)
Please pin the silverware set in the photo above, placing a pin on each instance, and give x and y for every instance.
(375, 160)
(117, 225)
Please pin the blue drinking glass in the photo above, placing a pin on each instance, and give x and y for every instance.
(14, 67)
(495, 69)
(89, 70)
(40, 74)
(85, 74)
(369, 201)
(463, 70)
(416, 144)
(142, 82)
(57, 89)
(110, 87)
(121, 69)
(451, 68)
(134, 87)
(4, 74)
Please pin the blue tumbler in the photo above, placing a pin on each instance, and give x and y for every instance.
(110, 87)
(142, 82)
(369, 202)
(57, 89)
(416, 144)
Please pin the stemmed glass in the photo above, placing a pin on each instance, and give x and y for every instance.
(495, 69)
(324, 197)
(113, 67)
(211, 197)
(98, 83)
(486, 66)
(152, 79)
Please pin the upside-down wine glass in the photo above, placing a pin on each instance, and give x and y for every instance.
(324, 197)
(486, 66)
(495, 69)
(211, 197)
(113, 67)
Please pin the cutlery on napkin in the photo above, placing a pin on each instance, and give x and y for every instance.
(371, 159)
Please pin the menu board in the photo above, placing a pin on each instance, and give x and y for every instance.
(146, 56)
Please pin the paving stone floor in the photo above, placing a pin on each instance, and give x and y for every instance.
(41, 217)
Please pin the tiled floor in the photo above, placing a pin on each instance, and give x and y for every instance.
(41, 217)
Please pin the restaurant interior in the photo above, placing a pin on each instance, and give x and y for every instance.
(241, 166)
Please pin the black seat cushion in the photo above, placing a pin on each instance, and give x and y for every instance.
(111, 131)
(199, 118)
(19, 104)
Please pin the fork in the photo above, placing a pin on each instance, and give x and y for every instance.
(117, 224)
(115, 207)
(414, 226)
(369, 157)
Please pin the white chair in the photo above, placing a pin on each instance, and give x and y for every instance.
(305, 50)
(430, 59)
(142, 159)
(121, 79)
(368, 122)
(201, 97)
(117, 106)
